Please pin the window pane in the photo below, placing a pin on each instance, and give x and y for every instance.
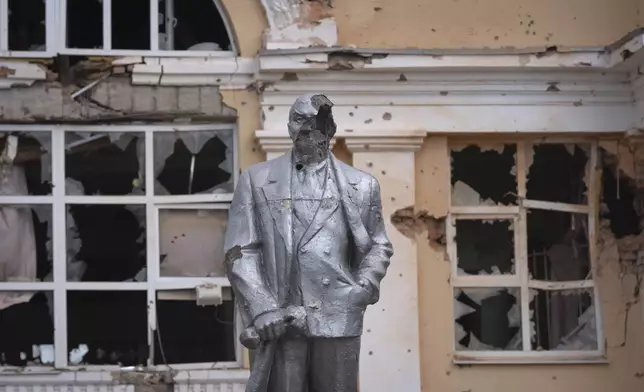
(25, 243)
(131, 24)
(558, 172)
(85, 24)
(27, 25)
(188, 333)
(26, 320)
(107, 328)
(564, 320)
(191, 25)
(487, 319)
(192, 242)
(194, 162)
(558, 246)
(29, 172)
(104, 163)
(106, 243)
(485, 247)
(484, 175)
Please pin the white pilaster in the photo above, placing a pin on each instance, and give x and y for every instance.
(390, 356)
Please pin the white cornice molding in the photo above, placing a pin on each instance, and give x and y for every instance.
(384, 141)
(482, 100)
(20, 73)
(230, 73)
(623, 56)
(277, 141)
(273, 141)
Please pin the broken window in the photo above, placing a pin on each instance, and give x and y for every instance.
(487, 319)
(191, 242)
(484, 175)
(25, 163)
(563, 320)
(106, 243)
(486, 247)
(520, 241)
(558, 172)
(88, 240)
(107, 328)
(193, 25)
(150, 25)
(27, 25)
(188, 333)
(187, 163)
(26, 329)
(104, 163)
(558, 246)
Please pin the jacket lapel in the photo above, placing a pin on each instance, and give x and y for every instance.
(327, 207)
(348, 189)
(277, 192)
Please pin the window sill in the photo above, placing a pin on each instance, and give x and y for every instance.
(44, 376)
(533, 358)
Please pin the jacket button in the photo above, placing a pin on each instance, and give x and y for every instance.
(326, 281)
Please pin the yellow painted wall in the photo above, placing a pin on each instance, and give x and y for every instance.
(478, 23)
(248, 21)
(470, 23)
(460, 23)
(625, 373)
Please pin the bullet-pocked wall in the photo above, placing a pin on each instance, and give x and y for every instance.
(622, 318)
(483, 24)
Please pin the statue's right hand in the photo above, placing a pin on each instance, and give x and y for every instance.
(271, 325)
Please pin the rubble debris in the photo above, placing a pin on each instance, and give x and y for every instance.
(487, 172)
(488, 327)
(485, 247)
(410, 223)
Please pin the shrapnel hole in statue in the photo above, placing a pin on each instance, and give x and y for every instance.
(306, 249)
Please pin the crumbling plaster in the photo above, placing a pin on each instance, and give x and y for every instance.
(625, 369)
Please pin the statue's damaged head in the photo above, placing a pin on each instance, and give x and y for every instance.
(311, 126)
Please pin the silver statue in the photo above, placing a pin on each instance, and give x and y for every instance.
(306, 249)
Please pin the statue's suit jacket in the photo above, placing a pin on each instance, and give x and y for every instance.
(345, 242)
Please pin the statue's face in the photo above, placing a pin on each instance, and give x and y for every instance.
(311, 124)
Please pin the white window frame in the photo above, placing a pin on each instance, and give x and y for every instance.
(154, 50)
(51, 16)
(154, 282)
(521, 279)
(56, 34)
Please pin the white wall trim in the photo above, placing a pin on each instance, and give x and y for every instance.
(55, 378)
(473, 100)
(384, 141)
(19, 73)
(230, 73)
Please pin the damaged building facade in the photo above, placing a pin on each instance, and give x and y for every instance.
(506, 138)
